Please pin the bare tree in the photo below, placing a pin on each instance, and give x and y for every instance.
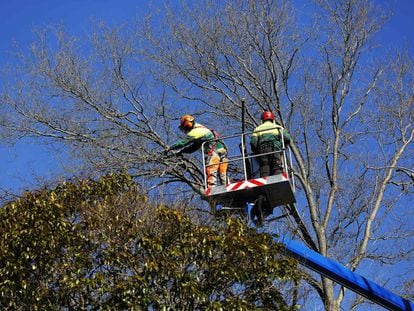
(96, 102)
(116, 103)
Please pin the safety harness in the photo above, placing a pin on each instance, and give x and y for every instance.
(216, 136)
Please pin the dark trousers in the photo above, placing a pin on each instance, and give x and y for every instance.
(269, 164)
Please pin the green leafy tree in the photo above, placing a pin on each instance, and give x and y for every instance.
(100, 244)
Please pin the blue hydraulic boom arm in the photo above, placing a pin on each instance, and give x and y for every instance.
(341, 275)
(345, 277)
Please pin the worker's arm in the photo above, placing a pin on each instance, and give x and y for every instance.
(193, 140)
(286, 136)
(182, 143)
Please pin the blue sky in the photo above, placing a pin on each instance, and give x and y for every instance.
(21, 163)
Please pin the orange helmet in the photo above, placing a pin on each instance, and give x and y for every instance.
(186, 122)
(268, 115)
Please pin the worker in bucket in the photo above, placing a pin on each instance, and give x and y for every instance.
(267, 139)
(215, 150)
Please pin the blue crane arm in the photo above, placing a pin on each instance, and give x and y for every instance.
(345, 277)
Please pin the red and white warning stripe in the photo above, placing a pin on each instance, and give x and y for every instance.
(244, 184)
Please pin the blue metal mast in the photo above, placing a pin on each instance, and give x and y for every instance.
(341, 275)
(345, 277)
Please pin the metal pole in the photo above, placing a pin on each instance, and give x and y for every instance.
(292, 175)
(284, 151)
(204, 166)
(242, 138)
(246, 164)
(244, 157)
(243, 113)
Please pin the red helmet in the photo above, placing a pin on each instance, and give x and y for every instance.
(186, 122)
(268, 115)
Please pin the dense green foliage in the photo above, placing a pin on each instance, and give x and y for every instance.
(101, 244)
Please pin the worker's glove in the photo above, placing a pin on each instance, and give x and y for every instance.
(170, 153)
